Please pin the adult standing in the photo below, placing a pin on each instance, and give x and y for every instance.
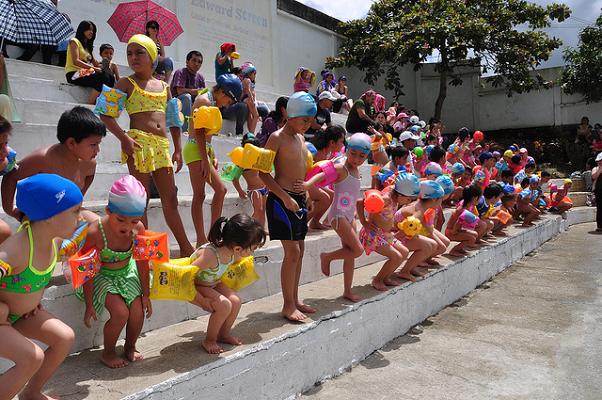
(81, 68)
(358, 119)
(164, 67)
(187, 82)
(596, 172)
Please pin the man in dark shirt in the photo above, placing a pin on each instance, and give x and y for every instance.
(325, 101)
(187, 82)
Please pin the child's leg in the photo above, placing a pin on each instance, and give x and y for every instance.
(219, 194)
(225, 333)
(304, 308)
(259, 210)
(289, 281)
(442, 244)
(394, 260)
(145, 180)
(166, 185)
(59, 337)
(350, 250)
(530, 214)
(422, 247)
(120, 314)
(252, 116)
(221, 310)
(198, 199)
(466, 238)
(133, 329)
(481, 231)
(563, 207)
(5, 231)
(321, 201)
(27, 356)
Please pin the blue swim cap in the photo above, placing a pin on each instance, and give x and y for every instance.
(446, 183)
(407, 184)
(428, 149)
(508, 189)
(311, 148)
(231, 85)
(359, 141)
(433, 168)
(513, 148)
(431, 190)
(458, 169)
(301, 104)
(534, 179)
(42, 196)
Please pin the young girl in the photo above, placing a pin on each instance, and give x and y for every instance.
(257, 192)
(458, 232)
(327, 144)
(249, 72)
(376, 234)
(145, 146)
(122, 285)
(342, 214)
(27, 259)
(230, 239)
(200, 157)
(305, 79)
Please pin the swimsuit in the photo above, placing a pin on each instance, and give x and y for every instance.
(211, 276)
(284, 224)
(346, 194)
(30, 280)
(191, 152)
(123, 281)
(372, 240)
(154, 152)
(258, 193)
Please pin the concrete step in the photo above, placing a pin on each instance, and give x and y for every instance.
(334, 338)
(45, 89)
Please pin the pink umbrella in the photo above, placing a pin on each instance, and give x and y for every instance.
(130, 18)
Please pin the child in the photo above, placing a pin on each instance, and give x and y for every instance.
(79, 133)
(200, 158)
(256, 192)
(51, 204)
(399, 158)
(486, 207)
(230, 239)
(286, 209)
(377, 230)
(508, 203)
(122, 285)
(456, 230)
(559, 202)
(8, 162)
(545, 181)
(249, 72)
(305, 79)
(342, 214)
(527, 200)
(145, 146)
(507, 177)
(106, 53)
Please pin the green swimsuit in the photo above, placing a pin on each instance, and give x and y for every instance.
(31, 279)
(212, 276)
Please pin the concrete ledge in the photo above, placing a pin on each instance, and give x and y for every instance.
(285, 359)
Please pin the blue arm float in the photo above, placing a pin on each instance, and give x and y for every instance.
(110, 102)
(173, 113)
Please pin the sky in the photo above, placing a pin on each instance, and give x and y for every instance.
(584, 12)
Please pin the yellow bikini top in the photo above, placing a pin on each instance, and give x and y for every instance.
(143, 101)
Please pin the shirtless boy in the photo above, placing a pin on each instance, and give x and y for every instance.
(286, 209)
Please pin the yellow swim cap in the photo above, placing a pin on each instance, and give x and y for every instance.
(147, 43)
(567, 181)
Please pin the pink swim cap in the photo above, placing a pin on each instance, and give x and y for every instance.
(127, 197)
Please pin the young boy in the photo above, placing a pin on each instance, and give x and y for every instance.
(286, 209)
(106, 53)
(79, 133)
(486, 207)
(527, 200)
(524, 173)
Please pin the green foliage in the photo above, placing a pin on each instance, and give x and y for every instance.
(583, 72)
(400, 32)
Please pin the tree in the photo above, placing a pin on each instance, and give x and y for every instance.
(583, 72)
(461, 32)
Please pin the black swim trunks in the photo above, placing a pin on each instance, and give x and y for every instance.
(284, 224)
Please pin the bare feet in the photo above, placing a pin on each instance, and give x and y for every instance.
(500, 234)
(212, 347)
(111, 360)
(405, 276)
(351, 297)
(293, 315)
(378, 285)
(418, 272)
(391, 282)
(233, 340)
(433, 263)
(457, 253)
(325, 264)
(132, 354)
(304, 308)
(26, 395)
(526, 225)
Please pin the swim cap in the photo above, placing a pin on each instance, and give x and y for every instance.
(567, 181)
(479, 177)
(522, 150)
(433, 168)
(446, 183)
(428, 149)
(414, 119)
(508, 189)
(513, 148)
(248, 68)
(227, 47)
(496, 154)
(301, 104)
(530, 160)
(42, 196)
(534, 179)
(407, 184)
(311, 148)
(231, 85)
(415, 129)
(359, 141)
(508, 153)
(146, 42)
(127, 197)
(431, 190)
(484, 156)
(453, 148)
(457, 169)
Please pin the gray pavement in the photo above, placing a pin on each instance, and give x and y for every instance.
(534, 332)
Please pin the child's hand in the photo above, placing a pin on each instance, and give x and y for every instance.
(215, 163)
(147, 307)
(88, 315)
(290, 204)
(370, 226)
(300, 186)
(176, 159)
(129, 145)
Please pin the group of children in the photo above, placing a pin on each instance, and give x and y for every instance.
(402, 219)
